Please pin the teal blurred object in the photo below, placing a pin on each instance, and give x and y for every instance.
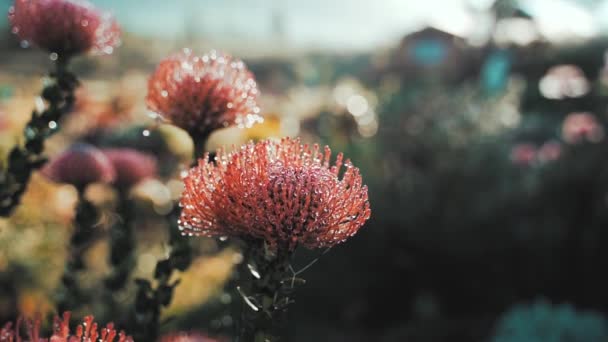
(495, 72)
(429, 52)
(6, 91)
(543, 322)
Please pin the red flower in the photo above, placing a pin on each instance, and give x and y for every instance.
(80, 165)
(578, 127)
(282, 192)
(87, 331)
(131, 166)
(67, 27)
(523, 154)
(202, 93)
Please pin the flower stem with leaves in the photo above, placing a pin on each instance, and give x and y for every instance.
(23, 160)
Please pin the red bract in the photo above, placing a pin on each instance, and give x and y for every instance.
(131, 166)
(86, 332)
(80, 165)
(282, 192)
(66, 27)
(202, 93)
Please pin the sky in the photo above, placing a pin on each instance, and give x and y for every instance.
(342, 24)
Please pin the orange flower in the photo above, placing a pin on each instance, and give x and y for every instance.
(66, 27)
(202, 93)
(284, 193)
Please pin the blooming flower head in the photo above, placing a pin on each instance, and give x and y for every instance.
(87, 331)
(131, 166)
(284, 193)
(578, 127)
(80, 165)
(66, 27)
(202, 93)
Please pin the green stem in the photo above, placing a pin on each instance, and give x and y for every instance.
(83, 237)
(23, 160)
(266, 293)
(150, 300)
(122, 244)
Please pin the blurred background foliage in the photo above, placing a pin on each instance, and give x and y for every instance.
(478, 125)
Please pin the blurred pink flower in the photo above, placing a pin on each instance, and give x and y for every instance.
(523, 154)
(578, 127)
(66, 27)
(284, 193)
(187, 337)
(80, 165)
(202, 93)
(550, 151)
(131, 166)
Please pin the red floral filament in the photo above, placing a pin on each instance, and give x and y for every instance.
(202, 93)
(86, 332)
(67, 27)
(282, 192)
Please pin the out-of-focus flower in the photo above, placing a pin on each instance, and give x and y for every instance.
(564, 81)
(578, 127)
(523, 154)
(542, 321)
(87, 331)
(80, 165)
(65, 27)
(131, 166)
(187, 337)
(283, 193)
(549, 151)
(202, 93)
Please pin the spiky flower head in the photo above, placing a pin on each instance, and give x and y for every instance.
(202, 93)
(131, 166)
(80, 165)
(282, 192)
(87, 331)
(65, 27)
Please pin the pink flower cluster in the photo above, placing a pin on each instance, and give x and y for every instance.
(84, 164)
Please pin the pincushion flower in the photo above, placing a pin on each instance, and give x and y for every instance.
(87, 331)
(131, 166)
(80, 165)
(283, 193)
(66, 27)
(202, 93)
